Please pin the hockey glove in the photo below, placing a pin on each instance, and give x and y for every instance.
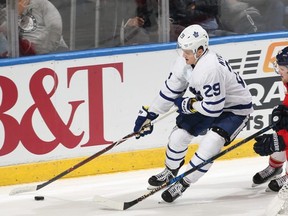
(280, 117)
(269, 143)
(143, 122)
(185, 105)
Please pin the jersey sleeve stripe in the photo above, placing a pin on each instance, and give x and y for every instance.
(173, 91)
(166, 98)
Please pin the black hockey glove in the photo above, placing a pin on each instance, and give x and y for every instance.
(142, 123)
(185, 105)
(280, 117)
(269, 143)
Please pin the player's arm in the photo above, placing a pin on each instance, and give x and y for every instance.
(174, 86)
(161, 104)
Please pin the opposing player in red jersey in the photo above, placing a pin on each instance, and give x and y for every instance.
(276, 144)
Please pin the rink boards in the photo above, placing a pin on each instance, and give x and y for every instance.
(57, 110)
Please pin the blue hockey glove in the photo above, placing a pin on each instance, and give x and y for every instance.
(269, 143)
(143, 122)
(185, 105)
(280, 117)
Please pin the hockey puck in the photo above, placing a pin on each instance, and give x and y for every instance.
(38, 198)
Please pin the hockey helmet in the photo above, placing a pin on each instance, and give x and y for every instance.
(281, 60)
(282, 57)
(192, 38)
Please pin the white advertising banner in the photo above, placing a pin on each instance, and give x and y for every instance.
(75, 107)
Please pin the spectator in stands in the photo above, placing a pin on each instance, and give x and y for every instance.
(142, 26)
(188, 12)
(40, 28)
(205, 13)
(240, 17)
(251, 16)
(272, 12)
(3, 38)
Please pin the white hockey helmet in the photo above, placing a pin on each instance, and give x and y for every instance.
(193, 37)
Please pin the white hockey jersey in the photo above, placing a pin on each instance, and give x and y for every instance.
(212, 78)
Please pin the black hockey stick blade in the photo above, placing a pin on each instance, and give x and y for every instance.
(125, 205)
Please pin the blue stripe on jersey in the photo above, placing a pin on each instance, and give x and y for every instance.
(240, 106)
(165, 97)
(175, 92)
(209, 111)
(215, 102)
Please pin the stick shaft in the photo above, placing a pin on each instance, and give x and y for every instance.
(81, 163)
(139, 199)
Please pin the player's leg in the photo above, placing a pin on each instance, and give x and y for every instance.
(188, 126)
(224, 129)
(175, 154)
(273, 170)
(277, 183)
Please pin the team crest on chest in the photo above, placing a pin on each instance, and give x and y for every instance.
(27, 22)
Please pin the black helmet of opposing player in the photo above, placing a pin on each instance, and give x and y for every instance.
(281, 59)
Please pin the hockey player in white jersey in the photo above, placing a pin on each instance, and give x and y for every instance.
(221, 107)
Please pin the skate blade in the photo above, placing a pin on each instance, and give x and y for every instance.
(255, 185)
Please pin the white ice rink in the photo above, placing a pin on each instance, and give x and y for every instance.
(225, 190)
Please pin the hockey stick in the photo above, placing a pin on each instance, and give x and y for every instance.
(125, 205)
(278, 205)
(275, 206)
(81, 163)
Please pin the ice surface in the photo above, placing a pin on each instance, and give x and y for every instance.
(225, 190)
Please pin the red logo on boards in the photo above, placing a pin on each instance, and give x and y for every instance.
(24, 131)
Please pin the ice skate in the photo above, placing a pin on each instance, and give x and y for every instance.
(276, 184)
(174, 191)
(265, 175)
(164, 176)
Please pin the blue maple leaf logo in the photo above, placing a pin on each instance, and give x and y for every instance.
(196, 34)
